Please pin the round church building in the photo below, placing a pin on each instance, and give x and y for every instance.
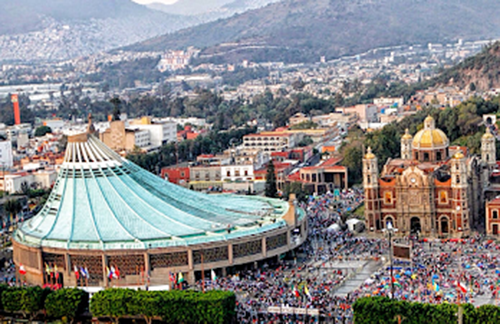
(109, 222)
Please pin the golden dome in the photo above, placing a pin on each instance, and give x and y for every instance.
(369, 155)
(430, 137)
(458, 155)
(406, 135)
(488, 134)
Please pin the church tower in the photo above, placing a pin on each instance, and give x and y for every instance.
(488, 150)
(406, 140)
(370, 184)
(460, 207)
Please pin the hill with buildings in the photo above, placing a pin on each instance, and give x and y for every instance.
(304, 30)
(32, 30)
(477, 73)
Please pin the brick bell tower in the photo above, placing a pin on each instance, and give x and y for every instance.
(460, 207)
(371, 187)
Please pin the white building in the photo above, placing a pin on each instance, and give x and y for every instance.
(269, 142)
(160, 131)
(398, 102)
(6, 153)
(13, 182)
(237, 172)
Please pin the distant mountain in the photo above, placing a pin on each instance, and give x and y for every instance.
(305, 30)
(209, 10)
(190, 7)
(61, 29)
(480, 72)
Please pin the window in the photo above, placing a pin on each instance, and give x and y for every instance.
(228, 173)
(237, 172)
(416, 155)
(443, 197)
(438, 156)
(457, 179)
(197, 176)
(388, 197)
(495, 214)
(314, 178)
(426, 157)
(246, 172)
(182, 174)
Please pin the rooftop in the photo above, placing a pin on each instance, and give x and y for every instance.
(103, 201)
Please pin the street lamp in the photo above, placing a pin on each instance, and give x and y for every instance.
(389, 230)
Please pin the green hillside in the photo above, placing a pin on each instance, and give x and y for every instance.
(305, 30)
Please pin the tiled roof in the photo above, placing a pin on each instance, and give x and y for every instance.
(103, 201)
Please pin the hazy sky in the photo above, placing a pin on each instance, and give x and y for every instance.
(151, 1)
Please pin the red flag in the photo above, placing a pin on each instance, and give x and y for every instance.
(22, 270)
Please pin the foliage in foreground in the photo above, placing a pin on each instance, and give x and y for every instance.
(370, 310)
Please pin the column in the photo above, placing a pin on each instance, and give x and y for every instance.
(104, 272)
(230, 253)
(264, 247)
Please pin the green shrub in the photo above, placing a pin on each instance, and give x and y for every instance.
(67, 302)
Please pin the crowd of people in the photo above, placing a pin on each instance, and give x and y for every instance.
(305, 281)
(452, 270)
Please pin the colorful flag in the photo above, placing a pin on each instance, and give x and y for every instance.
(295, 291)
(77, 273)
(22, 270)
(180, 278)
(214, 276)
(461, 286)
(171, 277)
(113, 272)
(47, 268)
(108, 273)
(82, 271)
(306, 291)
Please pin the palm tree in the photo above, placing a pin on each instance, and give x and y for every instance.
(12, 207)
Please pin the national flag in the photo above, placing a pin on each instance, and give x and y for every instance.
(82, 272)
(108, 273)
(77, 273)
(180, 278)
(113, 272)
(55, 271)
(214, 276)
(171, 277)
(22, 270)
(306, 291)
(435, 286)
(47, 268)
(461, 286)
(295, 291)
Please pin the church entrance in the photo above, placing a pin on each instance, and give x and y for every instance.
(444, 226)
(415, 225)
(495, 229)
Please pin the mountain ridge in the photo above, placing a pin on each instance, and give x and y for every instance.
(305, 30)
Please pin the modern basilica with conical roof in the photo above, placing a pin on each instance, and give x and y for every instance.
(109, 222)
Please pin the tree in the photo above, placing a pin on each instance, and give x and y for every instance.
(116, 107)
(42, 131)
(12, 207)
(66, 303)
(271, 190)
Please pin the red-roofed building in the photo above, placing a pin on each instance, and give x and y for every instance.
(177, 175)
(323, 177)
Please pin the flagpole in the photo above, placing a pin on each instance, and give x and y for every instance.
(202, 274)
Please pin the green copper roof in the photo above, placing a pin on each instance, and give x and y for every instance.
(103, 201)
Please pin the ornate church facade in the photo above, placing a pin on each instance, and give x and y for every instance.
(433, 189)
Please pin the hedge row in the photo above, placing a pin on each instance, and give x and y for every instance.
(64, 304)
(211, 307)
(369, 310)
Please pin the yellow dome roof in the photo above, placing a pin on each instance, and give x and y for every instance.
(458, 155)
(407, 135)
(430, 136)
(369, 155)
(488, 134)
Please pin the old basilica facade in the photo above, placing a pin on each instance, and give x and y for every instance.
(433, 189)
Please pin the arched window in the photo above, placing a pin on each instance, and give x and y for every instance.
(495, 214)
